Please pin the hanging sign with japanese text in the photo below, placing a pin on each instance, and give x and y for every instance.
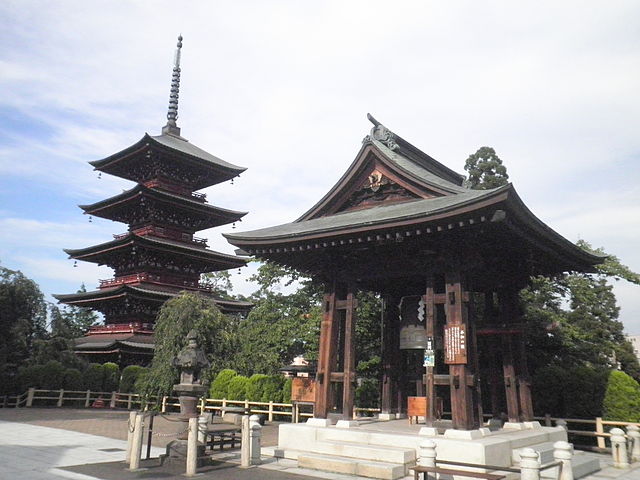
(455, 344)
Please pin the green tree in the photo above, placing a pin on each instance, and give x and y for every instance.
(216, 336)
(486, 169)
(622, 399)
(238, 388)
(23, 315)
(129, 377)
(219, 282)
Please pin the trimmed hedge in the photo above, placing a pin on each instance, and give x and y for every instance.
(73, 379)
(111, 377)
(237, 389)
(622, 399)
(220, 386)
(286, 390)
(129, 377)
(94, 377)
(255, 387)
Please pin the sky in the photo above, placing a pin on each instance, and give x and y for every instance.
(283, 88)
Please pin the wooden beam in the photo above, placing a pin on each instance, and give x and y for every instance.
(327, 353)
(430, 314)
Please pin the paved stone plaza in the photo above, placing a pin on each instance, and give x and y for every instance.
(38, 444)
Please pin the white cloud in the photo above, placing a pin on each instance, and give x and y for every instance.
(283, 87)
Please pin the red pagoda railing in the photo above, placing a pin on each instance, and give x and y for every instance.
(165, 233)
(174, 187)
(121, 328)
(169, 280)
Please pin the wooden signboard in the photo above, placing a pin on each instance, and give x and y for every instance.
(416, 407)
(303, 389)
(455, 344)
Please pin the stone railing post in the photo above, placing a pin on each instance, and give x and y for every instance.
(30, 394)
(87, 399)
(563, 452)
(619, 448)
(633, 432)
(245, 448)
(427, 453)
(255, 435)
(136, 445)
(203, 423)
(60, 398)
(271, 410)
(192, 448)
(114, 398)
(562, 423)
(529, 464)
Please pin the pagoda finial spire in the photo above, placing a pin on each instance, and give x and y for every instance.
(172, 114)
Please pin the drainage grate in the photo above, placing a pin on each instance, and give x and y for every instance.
(111, 449)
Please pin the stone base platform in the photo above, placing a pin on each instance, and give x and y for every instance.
(386, 449)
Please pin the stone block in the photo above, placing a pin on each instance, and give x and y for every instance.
(532, 425)
(347, 424)
(514, 426)
(385, 471)
(319, 422)
(386, 416)
(463, 434)
(428, 432)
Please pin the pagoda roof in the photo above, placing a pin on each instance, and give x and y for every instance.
(114, 341)
(145, 291)
(216, 215)
(180, 149)
(213, 260)
(428, 198)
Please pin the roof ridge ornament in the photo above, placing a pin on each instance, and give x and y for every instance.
(381, 133)
(171, 127)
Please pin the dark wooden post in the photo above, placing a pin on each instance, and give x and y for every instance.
(327, 352)
(457, 353)
(390, 345)
(524, 382)
(510, 381)
(430, 414)
(349, 355)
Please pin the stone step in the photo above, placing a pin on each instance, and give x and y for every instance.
(374, 453)
(582, 463)
(351, 466)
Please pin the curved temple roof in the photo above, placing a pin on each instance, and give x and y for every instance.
(439, 198)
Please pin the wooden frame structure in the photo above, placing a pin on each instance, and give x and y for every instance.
(403, 225)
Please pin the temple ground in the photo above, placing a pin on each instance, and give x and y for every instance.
(52, 443)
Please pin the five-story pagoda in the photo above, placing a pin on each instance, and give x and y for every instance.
(158, 256)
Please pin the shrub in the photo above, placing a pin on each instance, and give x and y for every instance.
(111, 378)
(272, 389)
(622, 398)
(30, 376)
(286, 390)
(129, 376)
(94, 377)
(238, 388)
(368, 394)
(52, 375)
(255, 387)
(220, 386)
(73, 379)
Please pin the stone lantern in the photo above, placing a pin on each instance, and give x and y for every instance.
(190, 362)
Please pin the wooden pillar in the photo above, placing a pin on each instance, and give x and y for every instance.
(349, 377)
(524, 382)
(508, 315)
(457, 353)
(327, 352)
(390, 346)
(430, 314)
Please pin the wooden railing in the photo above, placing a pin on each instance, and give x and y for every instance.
(273, 410)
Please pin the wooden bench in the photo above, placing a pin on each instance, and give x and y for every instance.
(223, 436)
(418, 469)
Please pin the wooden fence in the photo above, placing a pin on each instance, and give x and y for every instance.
(274, 411)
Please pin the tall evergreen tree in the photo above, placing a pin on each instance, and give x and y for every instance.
(486, 169)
